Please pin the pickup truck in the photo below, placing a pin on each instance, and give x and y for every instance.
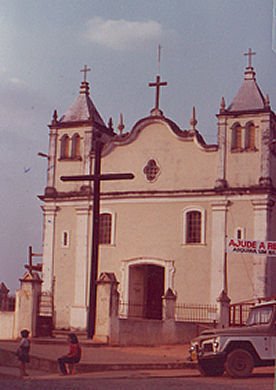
(238, 350)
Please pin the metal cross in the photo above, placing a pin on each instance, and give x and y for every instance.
(31, 267)
(85, 70)
(157, 84)
(250, 53)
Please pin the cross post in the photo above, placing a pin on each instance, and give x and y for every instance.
(97, 177)
(85, 70)
(250, 54)
(158, 84)
(30, 267)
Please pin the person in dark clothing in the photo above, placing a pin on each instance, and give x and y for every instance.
(23, 351)
(73, 356)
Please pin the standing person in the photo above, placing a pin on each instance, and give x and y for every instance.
(23, 351)
(73, 356)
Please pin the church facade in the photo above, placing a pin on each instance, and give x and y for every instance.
(169, 226)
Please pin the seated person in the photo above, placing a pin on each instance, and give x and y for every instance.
(73, 356)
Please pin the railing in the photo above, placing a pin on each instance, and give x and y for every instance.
(238, 313)
(183, 312)
(134, 310)
(196, 312)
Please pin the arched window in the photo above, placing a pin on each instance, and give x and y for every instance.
(236, 137)
(75, 151)
(194, 222)
(105, 228)
(64, 146)
(250, 136)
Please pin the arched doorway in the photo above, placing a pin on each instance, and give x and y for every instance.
(146, 288)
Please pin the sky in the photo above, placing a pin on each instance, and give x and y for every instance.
(45, 44)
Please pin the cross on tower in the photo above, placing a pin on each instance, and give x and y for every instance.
(250, 53)
(157, 84)
(85, 70)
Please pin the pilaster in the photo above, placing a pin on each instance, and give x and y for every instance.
(222, 143)
(78, 311)
(266, 138)
(218, 266)
(261, 213)
(49, 214)
(52, 154)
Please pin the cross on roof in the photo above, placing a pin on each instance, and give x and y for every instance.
(157, 84)
(85, 70)
(250, 53)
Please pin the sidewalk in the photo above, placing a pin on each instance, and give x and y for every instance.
(98, 357)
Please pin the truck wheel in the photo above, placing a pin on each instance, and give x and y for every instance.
(210, 368)
(239, 363)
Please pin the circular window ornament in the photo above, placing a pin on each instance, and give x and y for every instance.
(151, 170)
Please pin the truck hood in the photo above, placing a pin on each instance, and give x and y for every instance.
(241, 331)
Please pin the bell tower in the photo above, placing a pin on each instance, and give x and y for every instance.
(245, 133)
(67, 207)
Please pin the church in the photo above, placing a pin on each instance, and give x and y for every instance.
(167, 228)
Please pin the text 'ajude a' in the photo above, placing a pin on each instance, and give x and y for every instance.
(255, 247)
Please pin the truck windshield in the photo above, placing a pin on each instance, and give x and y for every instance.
(260, 315)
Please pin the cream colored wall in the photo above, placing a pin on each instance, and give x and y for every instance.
(240, 266)
(152, 227)
(243, 168)
(7, 325)
(179, 161)
(64, 265)
(69, 167)
(154, 230)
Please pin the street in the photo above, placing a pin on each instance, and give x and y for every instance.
(142, 380)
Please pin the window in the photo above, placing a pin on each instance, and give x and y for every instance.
(236, 137)
(240, 233)
(193, 227)
(250, 136)
(64, 147)
(105, 228)
(65, 239)
(151, 170)
(75, 152)
(194, 222)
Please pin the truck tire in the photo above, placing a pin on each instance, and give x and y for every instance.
(239, 363)
(210, 368)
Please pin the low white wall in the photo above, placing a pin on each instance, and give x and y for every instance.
(7, 325)
(154, 332)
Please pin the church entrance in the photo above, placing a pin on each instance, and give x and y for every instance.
(146, 288)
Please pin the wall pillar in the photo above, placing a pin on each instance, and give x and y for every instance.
(218, 263)
(52, 154)
(107, 309)
(224, 306)
(265, 178)
(48, 247)
(262, 211)
(222, 144)
(169, 302)
(26, 304)
(78, 311)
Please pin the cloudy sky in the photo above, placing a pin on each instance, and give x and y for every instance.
(43, 46)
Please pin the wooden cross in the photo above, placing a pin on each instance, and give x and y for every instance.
(157, 84)
(250, 53)
(85, 70)
(97, 178)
